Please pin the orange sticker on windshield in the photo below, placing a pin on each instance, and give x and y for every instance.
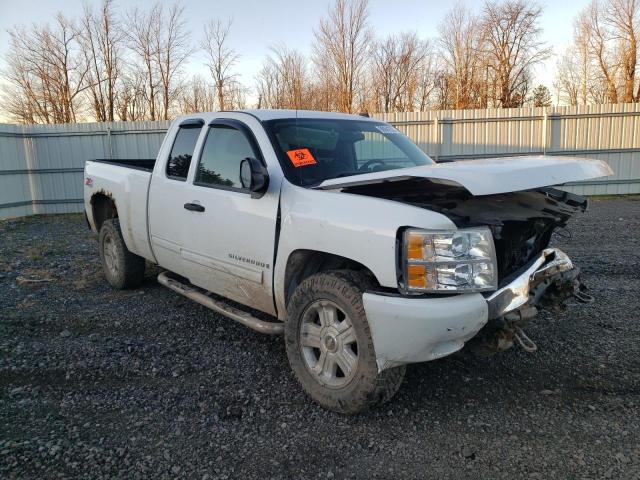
(301, 157)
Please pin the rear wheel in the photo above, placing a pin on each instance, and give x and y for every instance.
(122, 268)
(329, 344)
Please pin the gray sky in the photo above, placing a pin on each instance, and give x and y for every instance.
(260, 24)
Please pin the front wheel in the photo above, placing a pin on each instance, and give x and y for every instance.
(329, 344)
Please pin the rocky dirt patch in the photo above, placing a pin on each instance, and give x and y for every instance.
(96, 383)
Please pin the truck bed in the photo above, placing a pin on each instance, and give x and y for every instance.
(125, 182)
(145, 164)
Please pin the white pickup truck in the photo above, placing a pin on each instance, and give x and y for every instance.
(339, 232)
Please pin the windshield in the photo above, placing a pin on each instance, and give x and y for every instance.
(312, 150)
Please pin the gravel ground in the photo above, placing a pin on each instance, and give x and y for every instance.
(97, 383)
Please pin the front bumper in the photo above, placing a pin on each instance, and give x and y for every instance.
(539, 274)
(409, 330)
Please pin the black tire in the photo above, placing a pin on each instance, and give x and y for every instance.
(365, 387)
(122, 268)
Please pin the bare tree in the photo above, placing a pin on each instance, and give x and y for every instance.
(341, 43)
(584, 64)
(196, 95)
(107, 66)
(141, 28)
(324, 88)
(131, 102)
(577, 78)
(236, 96)
(46, 72)
(160, 43)
(569, 79)
(283, 81)
(293, 76)
(172, 50)
(461, 40)
(428, 81)
(599, 38)
(512, 46)
(221, 58)
(383, 63)
(397, 64)
(604, 53)
(266, 86)
(101, 41)
(623, 20)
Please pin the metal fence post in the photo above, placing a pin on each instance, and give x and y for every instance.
(544, 131)
(109, 142)
(436, 136)
(30, 167)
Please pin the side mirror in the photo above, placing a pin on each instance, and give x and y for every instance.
(254, 176)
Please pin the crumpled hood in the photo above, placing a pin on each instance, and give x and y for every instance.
(489, 176)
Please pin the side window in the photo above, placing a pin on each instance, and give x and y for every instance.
(182, 152)
(224, 149)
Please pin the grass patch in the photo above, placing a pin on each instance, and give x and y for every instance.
(34, 277)
(87, 278)
(35, 252)
(57, 246)
(26, 303)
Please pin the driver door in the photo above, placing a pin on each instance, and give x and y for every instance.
(231, 241)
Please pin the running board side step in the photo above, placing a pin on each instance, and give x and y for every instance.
(197, 295)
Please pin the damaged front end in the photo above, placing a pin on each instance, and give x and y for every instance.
(547, 282)
(531, 275)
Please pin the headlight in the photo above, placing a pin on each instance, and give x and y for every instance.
(456, 260)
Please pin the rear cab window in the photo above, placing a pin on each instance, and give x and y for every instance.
(182, 150)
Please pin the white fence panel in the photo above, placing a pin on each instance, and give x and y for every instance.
(606, 132)
(41, 165)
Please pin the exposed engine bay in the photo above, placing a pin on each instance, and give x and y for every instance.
(522, 224)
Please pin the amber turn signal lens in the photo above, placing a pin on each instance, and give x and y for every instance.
(415, 247)
(416, 276)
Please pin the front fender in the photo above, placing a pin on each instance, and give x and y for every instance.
(357, 227)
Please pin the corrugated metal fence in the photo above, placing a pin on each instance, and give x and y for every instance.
(605, 132)
(41, 165)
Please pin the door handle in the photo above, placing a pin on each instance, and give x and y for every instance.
(194, 207)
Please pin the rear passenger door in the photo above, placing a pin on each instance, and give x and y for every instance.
(168, 219)
(231, 241)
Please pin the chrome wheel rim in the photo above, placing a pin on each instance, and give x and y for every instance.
(328, 343)
(110, 254)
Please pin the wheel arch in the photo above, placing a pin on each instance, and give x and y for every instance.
(302, 263)
(103, 207)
